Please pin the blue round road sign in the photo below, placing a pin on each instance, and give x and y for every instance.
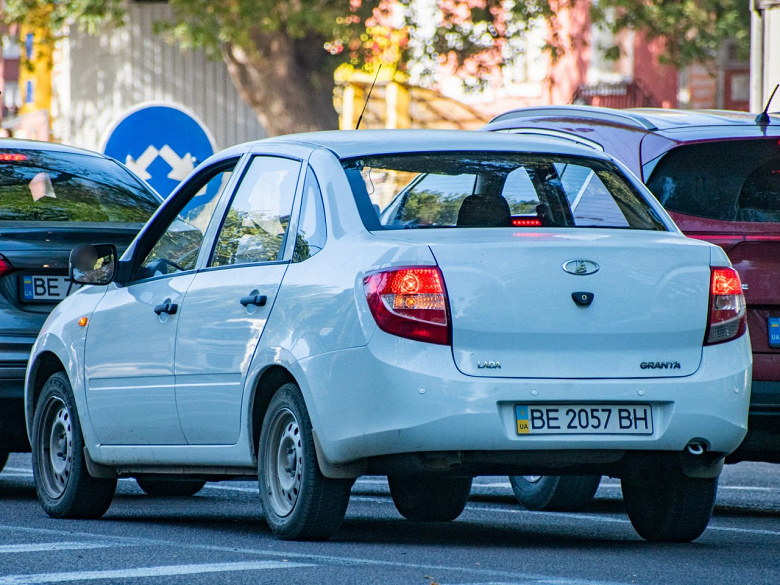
(161, 143)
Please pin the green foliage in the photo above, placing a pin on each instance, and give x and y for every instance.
(69, 204)
(432, 208)
(471, 33)
(693, 30)
(212, 23)
(243, 239)
(89, 15)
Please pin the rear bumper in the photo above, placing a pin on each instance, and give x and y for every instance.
(12, 379)
(14, 354)
(763, 439)
(766, 382)
(395, 396)
(13, 432)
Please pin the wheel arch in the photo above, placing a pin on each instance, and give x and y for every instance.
(46, 363)
(269, 381)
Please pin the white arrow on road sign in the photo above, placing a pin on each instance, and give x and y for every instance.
(180, 167)
(139, 165)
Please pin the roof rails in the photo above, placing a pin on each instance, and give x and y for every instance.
(590, 112)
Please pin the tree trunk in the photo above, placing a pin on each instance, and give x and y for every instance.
(287, 82)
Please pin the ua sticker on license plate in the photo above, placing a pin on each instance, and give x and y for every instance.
(44, 288)
(575, 419)
(774, 331)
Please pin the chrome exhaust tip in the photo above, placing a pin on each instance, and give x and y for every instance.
(696, 448)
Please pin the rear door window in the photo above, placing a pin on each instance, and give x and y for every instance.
(42, 186)
(733, 180)
(312, 232)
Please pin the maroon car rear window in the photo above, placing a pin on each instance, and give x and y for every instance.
(730, 180)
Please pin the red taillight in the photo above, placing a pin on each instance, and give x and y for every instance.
(410, 303)
(727, 319)
(5, 266)
(526, 222)
(11, 157)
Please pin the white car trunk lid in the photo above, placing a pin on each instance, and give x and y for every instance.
(513, 314)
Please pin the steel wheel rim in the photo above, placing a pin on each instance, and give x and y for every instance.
(283, 462)
(55, 442)
(533, 478)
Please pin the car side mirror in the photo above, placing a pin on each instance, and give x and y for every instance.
(93, 263)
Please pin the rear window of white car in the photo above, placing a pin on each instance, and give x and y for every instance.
(445, 190)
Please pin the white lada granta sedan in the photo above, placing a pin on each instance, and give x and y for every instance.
(426, 305)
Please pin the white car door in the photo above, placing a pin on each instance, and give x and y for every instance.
(129, 354)
(228, 303)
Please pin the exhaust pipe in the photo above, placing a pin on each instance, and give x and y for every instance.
(696, 448)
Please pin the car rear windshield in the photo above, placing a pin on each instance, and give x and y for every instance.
(490, 189)
(731, 180)
(56, 186)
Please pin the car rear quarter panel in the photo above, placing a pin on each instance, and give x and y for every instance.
(321, 306)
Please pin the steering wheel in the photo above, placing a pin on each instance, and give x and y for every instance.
(159, 264)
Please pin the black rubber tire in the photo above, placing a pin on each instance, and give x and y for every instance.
(555, 493)
(429, 499)
(170, 487)
(664, 505)
(3, 458)
(81, 495)
(320, 503)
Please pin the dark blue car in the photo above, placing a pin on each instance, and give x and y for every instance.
(52, 198)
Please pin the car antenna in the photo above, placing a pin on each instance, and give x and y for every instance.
(368, 97)
(763, 118)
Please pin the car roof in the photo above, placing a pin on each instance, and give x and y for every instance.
(19, 144)
(646, 119)
(352, 143)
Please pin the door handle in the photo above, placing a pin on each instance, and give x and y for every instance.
(254, 299)
(166, 307)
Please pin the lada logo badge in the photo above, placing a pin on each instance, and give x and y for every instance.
(580, 267)
(490, 365)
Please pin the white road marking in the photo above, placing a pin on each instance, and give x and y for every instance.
(141, 572)
(575, 516)
(311, 559)
(49, 546)
(231, 488)
(748, 488)
(515, 578)
(24, 472)
(539, 581)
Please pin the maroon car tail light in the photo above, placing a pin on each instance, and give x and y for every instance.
(5, 266)
(410, 302)
(727, 319)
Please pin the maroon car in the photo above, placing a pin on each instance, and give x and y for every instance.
(718, 174)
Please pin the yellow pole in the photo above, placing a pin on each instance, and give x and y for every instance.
(352, 102)
(398, 104)
(35, 73)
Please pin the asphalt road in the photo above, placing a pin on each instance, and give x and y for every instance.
(219, 536)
